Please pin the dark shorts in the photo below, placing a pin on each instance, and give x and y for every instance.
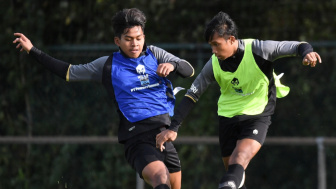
(141, 150)
(231, 130)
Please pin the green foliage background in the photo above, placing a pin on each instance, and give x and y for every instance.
(33, 102)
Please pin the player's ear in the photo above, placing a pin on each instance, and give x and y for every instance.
(117, 41)
(232, 39)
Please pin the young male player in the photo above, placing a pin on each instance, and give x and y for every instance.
(244, 71)
(135, 78)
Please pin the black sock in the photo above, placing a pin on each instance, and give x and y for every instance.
(237, 171)
(232, 178)
(162, 186)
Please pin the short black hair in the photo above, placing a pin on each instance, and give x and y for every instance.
(222, 24)
(126, 19)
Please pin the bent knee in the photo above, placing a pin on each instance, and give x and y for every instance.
(246, 155)
(156, 173)
(243, 158)
(160, 179)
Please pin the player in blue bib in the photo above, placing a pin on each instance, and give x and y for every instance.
(135, 79)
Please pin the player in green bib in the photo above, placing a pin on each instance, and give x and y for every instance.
(244, 70)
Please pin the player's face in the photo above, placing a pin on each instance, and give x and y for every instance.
(131, 42)
(222, 47)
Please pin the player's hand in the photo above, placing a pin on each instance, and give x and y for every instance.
(164, 136)
(164, 69)
(23, 42)
(311, 59)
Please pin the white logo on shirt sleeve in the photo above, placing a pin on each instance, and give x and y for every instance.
(193, 88)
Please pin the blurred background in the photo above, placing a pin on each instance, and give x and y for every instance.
(36, 103)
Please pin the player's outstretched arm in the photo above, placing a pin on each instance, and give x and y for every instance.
(23, 42)
(56, 66)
